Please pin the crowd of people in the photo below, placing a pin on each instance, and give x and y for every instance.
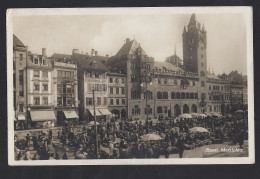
(123, 139)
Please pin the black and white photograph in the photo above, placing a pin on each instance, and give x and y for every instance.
(109, 86)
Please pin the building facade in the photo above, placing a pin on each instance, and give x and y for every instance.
(19, 83)
(40, 90)
(92, 86)
(65, 87)
(117, 103)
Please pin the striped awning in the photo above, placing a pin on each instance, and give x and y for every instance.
(97, 112)
(70, 114)
(105, 111)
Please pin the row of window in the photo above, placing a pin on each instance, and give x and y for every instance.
(37, 61)
(65, 74)
(117, 102)
(138, 65)
(36, 73)
(216, 87)
(116, 80)
(116, 90)
(219, 97)
(175, 82)
(65, 88)
(98, 101)
(177, 95)
(37, 100)
(95, 74)
(97, 87)
(36, 87)
(65, 101)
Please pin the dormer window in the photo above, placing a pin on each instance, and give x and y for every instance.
(36, 61)
(44, 62)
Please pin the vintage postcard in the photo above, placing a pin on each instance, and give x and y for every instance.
(135, 86)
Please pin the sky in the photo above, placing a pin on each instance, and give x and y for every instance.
(157, 35)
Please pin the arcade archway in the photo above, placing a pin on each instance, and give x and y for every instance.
(186, 108)
(177, 110)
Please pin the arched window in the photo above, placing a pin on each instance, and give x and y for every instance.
(202, 73)
(182, 95)
(191, 95)
(187, 95)
(148, 94)
(159, 95)
(177, 95)
(196, 95)
(202, 83)
(165, 95)
(172, 95)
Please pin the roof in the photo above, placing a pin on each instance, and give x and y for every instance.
(166, 65)
(210, 76)
(129, 48)
(60, 56)
(87, 62)
(17, 42)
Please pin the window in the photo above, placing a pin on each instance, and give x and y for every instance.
(59, 101)
(89, 101)
(36, 61)
(201, 56)
(36, 87)
(111, 90)
(203, 84)
(177, 95)
(96, 75)
(203, 96)
(117, 101)
(36, 101)
(110, 80)
(182, 95)
(123, 90)
(21, 57)
(159, 95)
(191, 95)
(59, 88)
(175, 82)
(20, 77)
(123, 80)
(59, 74)
(196, 95)
(69, 102)
(98, 100)
(209, 87)
(159, 109)
(172, 95)
(36, 73)
(45, 87)
(64, 101)
(202, 73)
(45, 100)
(148, 110)
(136, 110)
(202, 64)
(193, 83)
(117, 90)
(148, 94)
(117, 80)
(111, 101)
(187, 95)
(20, 107)
(68, 86)
(159, 80)
(135, 95)
(165, 95)
(45, 74)
(44, 62)
(123, 101)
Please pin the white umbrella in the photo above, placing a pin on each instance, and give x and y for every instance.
(91, 123)
(149, 137)
(186, 115)
(198, 129)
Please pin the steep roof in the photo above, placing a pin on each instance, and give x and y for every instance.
(60, 56)
(210, 76)
(90, 62)
(193, 20)
(17, 42)
(166, 65)
(129, 48)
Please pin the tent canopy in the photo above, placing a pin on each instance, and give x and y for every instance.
(105, 111)
(42, 116)
(70, 114)
(97, 112)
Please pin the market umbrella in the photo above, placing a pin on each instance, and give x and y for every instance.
(195, 114)
(203, 115)
(149, 137)
(91, 123)
(186, 115)
(239, 111)
(198, 129)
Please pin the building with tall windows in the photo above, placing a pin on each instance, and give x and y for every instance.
(117, 91)
(65, 87)
(92, 81)
(19, 83)
(40, 90)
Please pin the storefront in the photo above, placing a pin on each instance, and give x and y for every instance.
(42, 119)
(19, 122)
(102, 114)
(71, 115)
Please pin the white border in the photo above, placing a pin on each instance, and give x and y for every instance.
(246, 11)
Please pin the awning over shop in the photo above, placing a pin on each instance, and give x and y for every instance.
(42, 116)
(21, 117)
(97, 112)
(70, 114)
(105, 111)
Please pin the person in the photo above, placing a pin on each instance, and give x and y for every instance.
(35, 157)
(149, 152)
(27, 140)
(241, 139)
(180, 145)
(65, 156)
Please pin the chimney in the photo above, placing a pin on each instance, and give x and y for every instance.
(96, 53)
(127, 40)
(92, 52)
(44, 52)
(75, 51)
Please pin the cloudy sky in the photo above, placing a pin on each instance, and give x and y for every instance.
(157, 34)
